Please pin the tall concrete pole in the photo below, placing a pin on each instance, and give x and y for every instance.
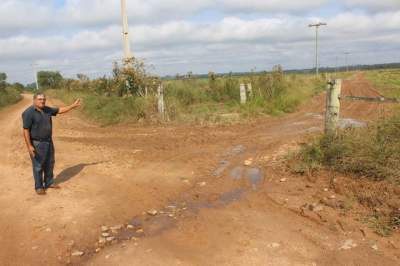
(316, 44)
(36, 75)
(125, 33)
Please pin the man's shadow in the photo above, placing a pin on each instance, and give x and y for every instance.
(71, 172)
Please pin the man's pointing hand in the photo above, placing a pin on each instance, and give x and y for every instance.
(77, 103)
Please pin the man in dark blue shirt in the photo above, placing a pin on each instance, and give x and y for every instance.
(38, 129)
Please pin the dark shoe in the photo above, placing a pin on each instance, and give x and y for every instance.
(40, 191)
(54, 186)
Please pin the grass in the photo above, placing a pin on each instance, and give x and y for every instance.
(388, 81)
(369, 155)
(372, 152)
(201, 101)
(9, 96)
(110, 110)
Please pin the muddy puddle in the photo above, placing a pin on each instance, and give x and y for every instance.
(351, 123)
(253, 176)
(155, 223)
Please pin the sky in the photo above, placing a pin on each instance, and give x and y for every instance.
(178, 36)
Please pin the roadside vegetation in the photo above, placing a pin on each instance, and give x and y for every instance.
(370, 158)
(388, 81)
(9, 93)
(130, 95)
(372, 152)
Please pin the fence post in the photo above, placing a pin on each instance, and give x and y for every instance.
(161, 107)
(250, 90)
(334, 88)
(243, 97)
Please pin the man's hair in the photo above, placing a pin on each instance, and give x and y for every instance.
(37, 94)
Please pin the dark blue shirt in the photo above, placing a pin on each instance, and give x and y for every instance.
(39, 122)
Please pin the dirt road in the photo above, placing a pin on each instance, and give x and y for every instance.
(212, 209)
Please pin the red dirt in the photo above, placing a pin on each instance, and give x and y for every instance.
(111, 175)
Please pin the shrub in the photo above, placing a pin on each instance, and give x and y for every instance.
(9, 96)
(372, 152)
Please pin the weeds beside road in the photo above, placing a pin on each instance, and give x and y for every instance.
(201, 101)
(9, 96)
(367, 162)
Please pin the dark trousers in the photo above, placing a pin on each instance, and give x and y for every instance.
(43, 164)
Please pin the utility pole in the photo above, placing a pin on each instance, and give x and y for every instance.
(346, 61)
(317, 25)
(36, 75)
(125, 33)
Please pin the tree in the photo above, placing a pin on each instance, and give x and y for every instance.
(82, 77)
(50, 79)
(31, 86)
(3, 79)
(133, 79)
(18, 86)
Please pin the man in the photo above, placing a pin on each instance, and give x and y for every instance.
(37, 130)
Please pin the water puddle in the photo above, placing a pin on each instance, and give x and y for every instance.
(155, 223)
(253, 175)
(221, 168)
(148, 226)
(224, 164)
(351, 123)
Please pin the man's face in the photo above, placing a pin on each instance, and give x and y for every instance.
(40, 101)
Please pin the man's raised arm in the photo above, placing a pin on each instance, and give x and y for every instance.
(66, 109)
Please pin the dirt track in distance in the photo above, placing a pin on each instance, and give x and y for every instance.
(110, 176)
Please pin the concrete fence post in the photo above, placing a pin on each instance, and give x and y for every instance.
(161, 106)
(334, 88)
(243, 95)
(250, 90)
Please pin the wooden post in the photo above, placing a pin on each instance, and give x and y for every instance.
(250, 90)
(243, 97)
(334, 88)
(161, 107)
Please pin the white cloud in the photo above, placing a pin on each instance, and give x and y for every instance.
(85, 36)
(373, 5)
(271, 5)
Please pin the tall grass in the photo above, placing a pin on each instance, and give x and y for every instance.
(388, 81)
(109, 110)
(372, 152)
(196, 100)
(9, 96)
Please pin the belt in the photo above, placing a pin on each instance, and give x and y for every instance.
(42, 140)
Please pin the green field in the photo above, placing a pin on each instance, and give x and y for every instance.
(386, 81)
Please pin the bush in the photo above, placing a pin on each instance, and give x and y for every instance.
(9, 96)
(109, 110)
(372, 152)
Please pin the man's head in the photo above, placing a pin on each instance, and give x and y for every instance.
(39, 100)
